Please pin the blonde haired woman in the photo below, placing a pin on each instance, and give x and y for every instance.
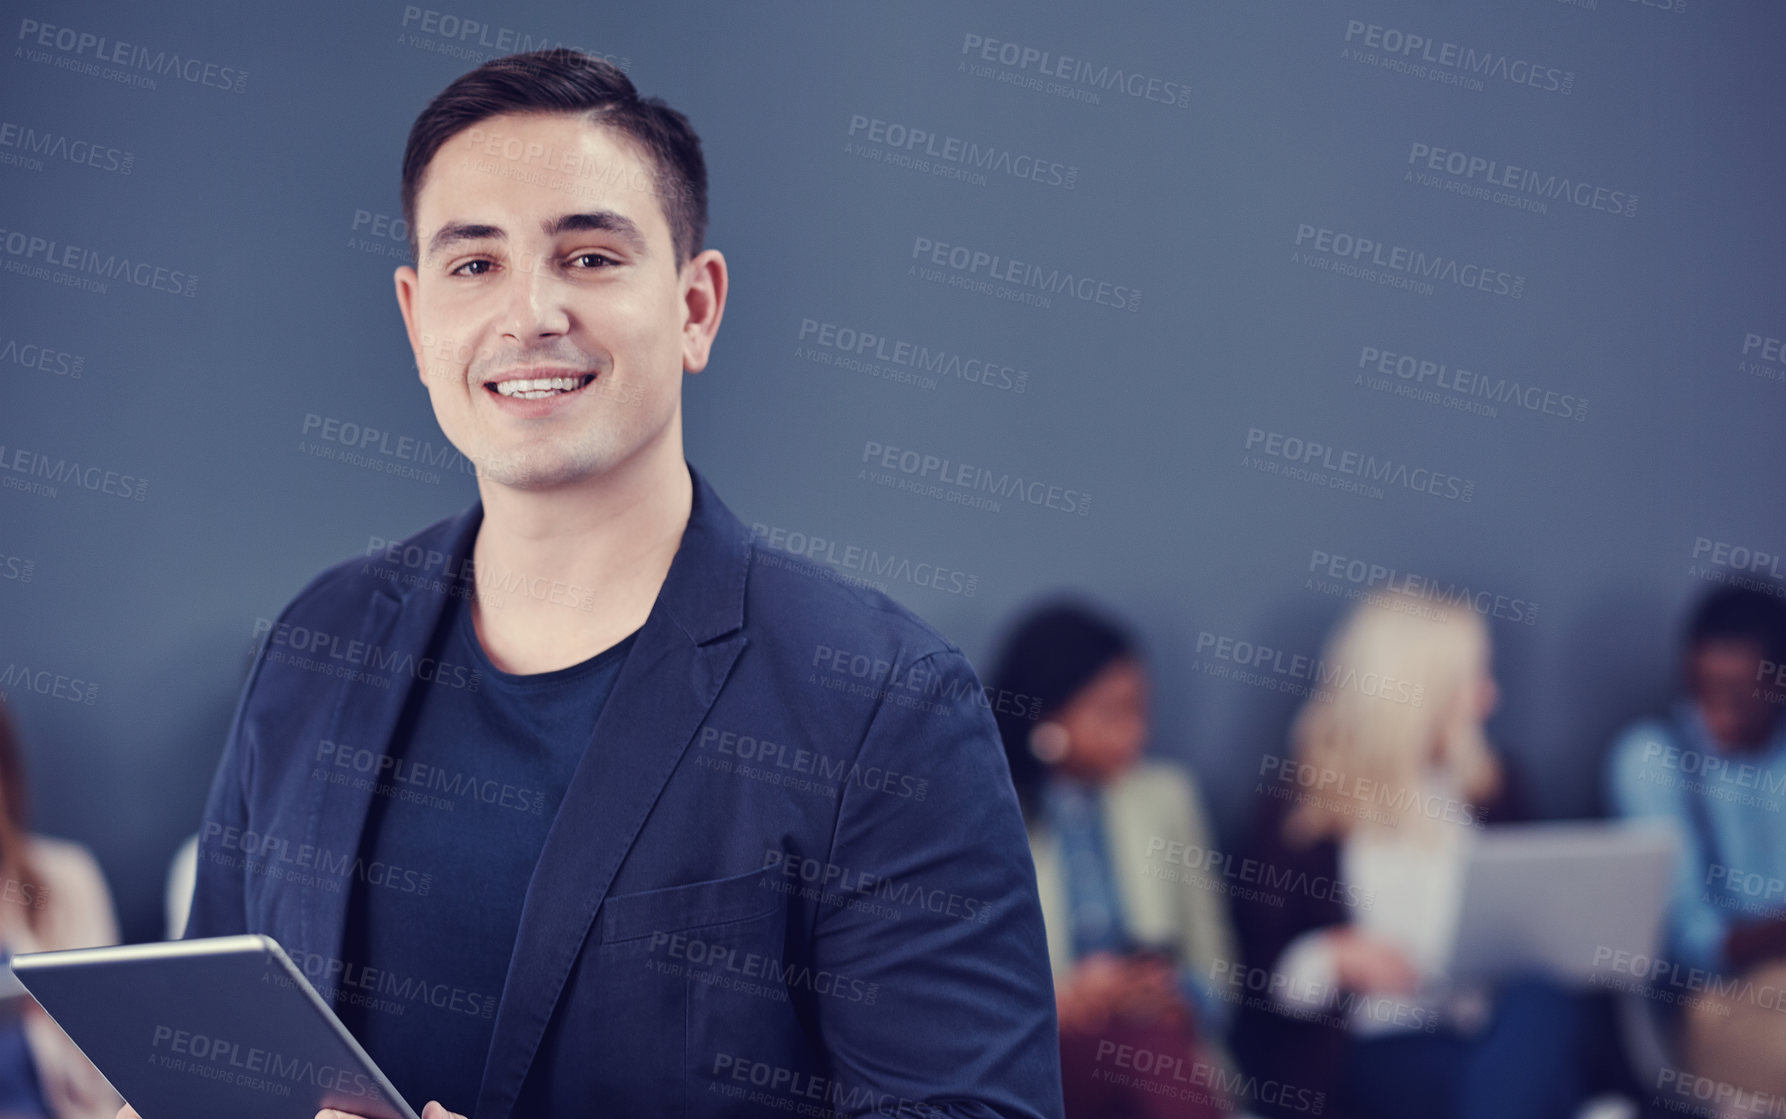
(1389, 772)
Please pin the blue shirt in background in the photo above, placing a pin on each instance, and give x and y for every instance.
(476, 784)
(1730, 812)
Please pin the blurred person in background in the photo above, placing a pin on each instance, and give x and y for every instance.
(52, 896)
(1390, 770)
(1127, 939)
(1715, 765)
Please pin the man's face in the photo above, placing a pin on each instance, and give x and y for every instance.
(546, 266)
(1722, 677)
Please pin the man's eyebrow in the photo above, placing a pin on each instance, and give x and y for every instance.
(596, 221)
(599, 221)
(454, 232)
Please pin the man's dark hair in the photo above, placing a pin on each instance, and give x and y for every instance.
(1739, 614)
(567, 81)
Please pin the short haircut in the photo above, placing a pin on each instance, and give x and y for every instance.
(561, 80)
(1740, 614)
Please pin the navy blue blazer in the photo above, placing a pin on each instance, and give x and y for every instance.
(788, 875)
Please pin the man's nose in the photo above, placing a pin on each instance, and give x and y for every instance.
(536, 300)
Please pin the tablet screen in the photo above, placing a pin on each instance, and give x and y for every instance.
(220, 1026)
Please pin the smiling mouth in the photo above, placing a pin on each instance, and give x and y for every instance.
(538, 388)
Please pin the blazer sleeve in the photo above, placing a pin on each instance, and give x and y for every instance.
(219, 903)
(962, 1022)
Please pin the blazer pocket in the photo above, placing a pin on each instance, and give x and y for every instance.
(698, 905)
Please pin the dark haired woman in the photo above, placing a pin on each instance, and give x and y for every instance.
(1136, 922)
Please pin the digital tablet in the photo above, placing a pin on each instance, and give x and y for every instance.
(216, 1028)
(1557, 898)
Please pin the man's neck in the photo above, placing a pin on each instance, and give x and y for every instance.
(563, 574)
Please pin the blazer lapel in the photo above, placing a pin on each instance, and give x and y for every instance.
(396, 630)
(674, 672)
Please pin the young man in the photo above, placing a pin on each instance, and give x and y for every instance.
(577, 803)
(1716, 767)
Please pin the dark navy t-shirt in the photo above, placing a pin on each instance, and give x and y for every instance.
(450, 844)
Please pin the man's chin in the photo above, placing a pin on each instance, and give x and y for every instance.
(536, 472)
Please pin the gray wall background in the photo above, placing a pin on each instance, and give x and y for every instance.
(274, 193)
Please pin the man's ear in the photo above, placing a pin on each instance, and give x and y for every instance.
(704, 285)
(406, 280)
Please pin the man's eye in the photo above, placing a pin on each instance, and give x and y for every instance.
(481, 267)
(603, 261)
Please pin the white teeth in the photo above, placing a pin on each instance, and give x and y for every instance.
(539, 387)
